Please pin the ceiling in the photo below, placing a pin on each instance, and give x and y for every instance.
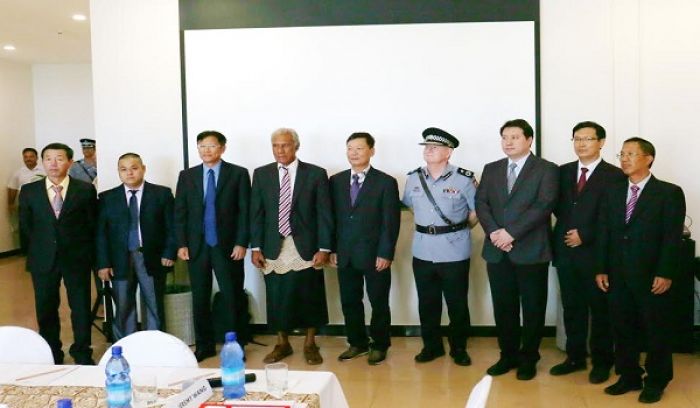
(44, 32)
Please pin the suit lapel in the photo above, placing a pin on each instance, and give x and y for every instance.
(527, 168)
(501, 180)
(71, 194)
(645, 197)
(224, 176)
(146, 200)
(199, 182)
(301, 173)
(366, 187)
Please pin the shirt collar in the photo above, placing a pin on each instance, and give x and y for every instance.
(446, 173)
(138, 189)
(521, 161)
(64, 183)
(641, 184)
(291, 166)
(590, 166)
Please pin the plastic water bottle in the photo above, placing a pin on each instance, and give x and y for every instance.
(64, 403)
(232, 368)
(118, 382)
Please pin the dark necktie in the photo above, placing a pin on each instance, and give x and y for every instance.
(632, 202)
(354, 188)
(581, 180)
(133, 241)
(210, 211)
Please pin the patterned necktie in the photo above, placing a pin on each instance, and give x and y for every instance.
(285, 204)
(57, 203)
(354, 188)
(632, 202)
(581, 180)
(133, 242)
(210, 235)
(511, 176)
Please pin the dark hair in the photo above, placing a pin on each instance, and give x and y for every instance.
(519, 123)
(207, 133)
(29, 149)
(362, 135)
(58, 146)
(645, 146)
(129, 156)
(599, 130)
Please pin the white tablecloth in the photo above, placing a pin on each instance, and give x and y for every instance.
(323, 383)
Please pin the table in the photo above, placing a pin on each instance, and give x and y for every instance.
(322, 383)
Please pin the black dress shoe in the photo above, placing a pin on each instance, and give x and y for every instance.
(353, 352)
(650, 395)
(527, 371)
(203, 354)
(501, 367)
(599, 374)
(426, 355)
(461, 357)
(623, 386)
(568, 367)
(376, 357)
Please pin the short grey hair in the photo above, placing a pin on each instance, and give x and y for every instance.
(287, 131)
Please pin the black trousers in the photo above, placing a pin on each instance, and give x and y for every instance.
(513, 285)
(639, 315)
(582, 299)
(352, 282)
(229, 276)
(433, 280)
(47, 299)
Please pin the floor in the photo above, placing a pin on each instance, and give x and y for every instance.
(400, 382)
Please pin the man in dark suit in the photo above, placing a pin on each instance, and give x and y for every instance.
(135, 245)
(211, 229)
(57, 229)
(581, 186)
(641, 224)
(291, 236)
(367, 219)
(514, 203)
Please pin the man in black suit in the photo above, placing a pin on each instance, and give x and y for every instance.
(291, 236)
(367, 219)
(57, 230)
(641, 224)
(581, 186)
(211, 229)
(135, 245)
(514, 203)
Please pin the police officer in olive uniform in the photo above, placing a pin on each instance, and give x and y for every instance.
(441, 196)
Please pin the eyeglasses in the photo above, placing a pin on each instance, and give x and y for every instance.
(623, 155)
(583, 139)
(208, 147)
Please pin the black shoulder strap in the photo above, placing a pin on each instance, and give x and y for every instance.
(421, 177)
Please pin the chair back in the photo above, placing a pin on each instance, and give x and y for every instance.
(22, 345)
(480, 393)
(153, 348)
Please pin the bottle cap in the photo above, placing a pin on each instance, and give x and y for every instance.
(116, 351)
(64, 403)
(230, 336)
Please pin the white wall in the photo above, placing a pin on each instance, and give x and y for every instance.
(16, 133)
(63, 104)
(631, 65)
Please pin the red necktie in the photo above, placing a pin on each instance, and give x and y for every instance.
(581, 180)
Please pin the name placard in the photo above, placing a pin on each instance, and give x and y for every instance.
(191, 397)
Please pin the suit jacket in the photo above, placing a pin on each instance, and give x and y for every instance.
(370, 228)
(232, 204)
(649, 245)
(311, 216)
(525, 213)
(68, 241)
(580, 211)
(157, 230)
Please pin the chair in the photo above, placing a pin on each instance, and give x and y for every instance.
(480, 393)
(21, 345)
(153, 348)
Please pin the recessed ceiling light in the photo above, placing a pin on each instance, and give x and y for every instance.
(79, 17)
(9, 47)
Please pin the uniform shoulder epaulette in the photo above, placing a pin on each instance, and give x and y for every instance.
(465, 172)
(413, 171)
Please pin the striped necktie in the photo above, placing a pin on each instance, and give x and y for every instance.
(285, 204)
(632, 202)
(57, 203)
(511, 176)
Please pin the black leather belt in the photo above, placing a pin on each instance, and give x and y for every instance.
(442, 229)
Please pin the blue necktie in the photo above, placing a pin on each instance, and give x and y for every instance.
(133, 241)
(354, 188)
(210, 211)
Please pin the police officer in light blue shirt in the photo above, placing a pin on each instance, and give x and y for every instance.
(441, 196)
